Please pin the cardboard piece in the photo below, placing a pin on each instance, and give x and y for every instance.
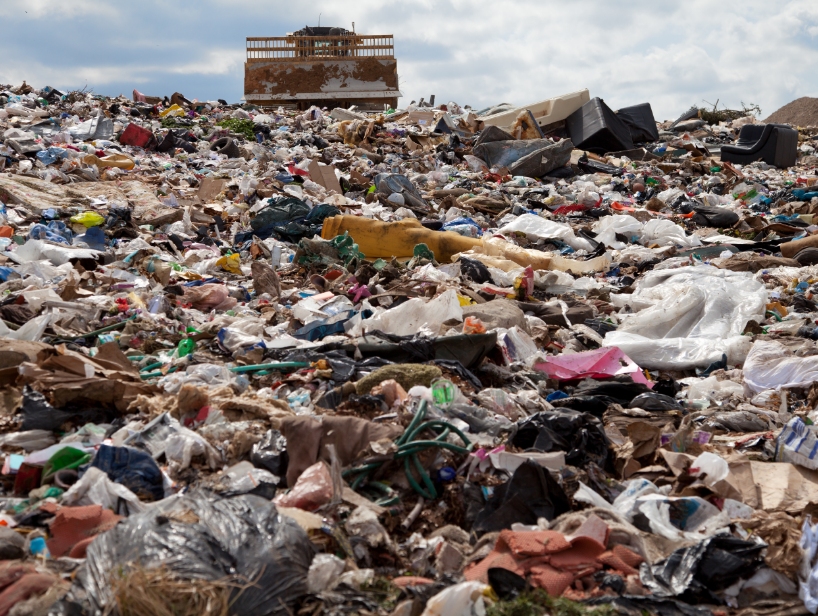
(357, 178)
(424, 119)
(210, 188)
(784, 487)
(325, 176)
(418, 142)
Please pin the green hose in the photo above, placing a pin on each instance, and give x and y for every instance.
(151, 375)
(409, 446)
(285, 365)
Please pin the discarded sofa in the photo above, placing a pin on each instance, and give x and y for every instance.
(775, 144)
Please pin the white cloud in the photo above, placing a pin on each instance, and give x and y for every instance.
(215, 62)
(672, 54)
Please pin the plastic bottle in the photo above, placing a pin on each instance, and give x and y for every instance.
(443, 392)
(186, 347)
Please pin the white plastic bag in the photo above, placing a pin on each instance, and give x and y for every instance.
(464, 599)
(416, 314)
(798, 444)
(324, 573)
(94, 488)
(771, 365)
(536, 226)
(713, 390)
(663, 232)
(607, 227)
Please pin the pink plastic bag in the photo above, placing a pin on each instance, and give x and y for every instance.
(313, 489)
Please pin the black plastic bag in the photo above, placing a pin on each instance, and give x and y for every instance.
(530, 494)
(270, 453)
(620, 389)
(507, 584)
(711, 216)
(580, 435)
(38, 414)
(203, 536)
(655, 402)
(694, 574)
(474, 270)
(595, 405)
(289, 219)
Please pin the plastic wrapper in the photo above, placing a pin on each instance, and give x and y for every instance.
(808, 577)
(201, 536)
(663, 232)
(597, 364)
(94, 488)
(797, 443)
(184, 445)
(690, 317)
(30, 440)
(209, 296)
(244, 478)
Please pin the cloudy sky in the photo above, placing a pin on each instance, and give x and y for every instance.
(671, 54)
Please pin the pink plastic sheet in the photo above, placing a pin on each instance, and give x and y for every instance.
(597, 364)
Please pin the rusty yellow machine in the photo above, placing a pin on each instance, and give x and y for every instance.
(328, 67)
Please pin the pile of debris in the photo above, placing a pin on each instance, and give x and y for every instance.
(548, 359)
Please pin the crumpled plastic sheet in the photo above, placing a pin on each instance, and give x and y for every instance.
(691, 316)
(696, 573)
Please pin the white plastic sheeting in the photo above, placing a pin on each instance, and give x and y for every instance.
(771, 365)
(536, 226)
(689, 317)
(656, 232)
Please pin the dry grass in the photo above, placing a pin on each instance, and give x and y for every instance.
(158, 592)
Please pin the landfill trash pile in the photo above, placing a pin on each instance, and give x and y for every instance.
(431, 361)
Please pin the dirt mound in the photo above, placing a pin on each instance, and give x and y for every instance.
(800, 112)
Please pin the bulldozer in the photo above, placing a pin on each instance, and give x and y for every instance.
(323, 66)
